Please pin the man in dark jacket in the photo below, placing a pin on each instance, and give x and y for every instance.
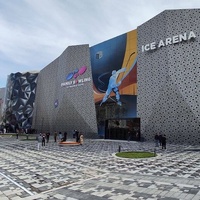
(156, 140)
(160, 139)
(164, 142)
(76, 135)
(43, 139)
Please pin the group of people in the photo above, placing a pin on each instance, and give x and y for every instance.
(160, 140)
(43, 138)
(62, 137)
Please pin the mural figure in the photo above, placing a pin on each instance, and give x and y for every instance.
(113, 86)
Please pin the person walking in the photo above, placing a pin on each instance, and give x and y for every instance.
(160, 139)
(39, 140)
(76, 133)
(156, 140)
(60, 136)
(55, 136)
(47, 136)
(164, 142)
(43, 139)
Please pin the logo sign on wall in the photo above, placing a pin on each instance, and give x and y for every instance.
(168, 41)
(74, 78)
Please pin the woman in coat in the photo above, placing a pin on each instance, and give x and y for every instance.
(81, 139)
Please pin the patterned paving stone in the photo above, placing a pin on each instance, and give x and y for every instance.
(93, 172)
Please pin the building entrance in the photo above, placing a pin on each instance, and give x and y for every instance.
(123, 129)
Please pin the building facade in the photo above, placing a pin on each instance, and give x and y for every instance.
(132, 86)
(64, 98)
(20, 99)
(114, 72)
(169, 76)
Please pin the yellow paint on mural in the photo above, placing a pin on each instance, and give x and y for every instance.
(129, 60)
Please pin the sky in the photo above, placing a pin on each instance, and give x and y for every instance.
(33, 33)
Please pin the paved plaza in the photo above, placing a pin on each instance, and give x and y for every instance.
(92, 172)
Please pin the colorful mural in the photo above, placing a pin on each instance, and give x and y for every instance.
(114, 71)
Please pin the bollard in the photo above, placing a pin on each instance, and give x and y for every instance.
(155, 152)
(119, 150)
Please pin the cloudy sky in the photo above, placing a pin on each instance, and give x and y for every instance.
(35, 32)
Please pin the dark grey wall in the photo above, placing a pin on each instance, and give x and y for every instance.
(168, 78)
(2, 102)
(20, 98)
(76, 108)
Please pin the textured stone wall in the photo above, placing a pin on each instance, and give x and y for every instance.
(20, 98)
(75, 107)
(169, 78)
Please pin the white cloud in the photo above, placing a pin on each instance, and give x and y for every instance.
(34, 32)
